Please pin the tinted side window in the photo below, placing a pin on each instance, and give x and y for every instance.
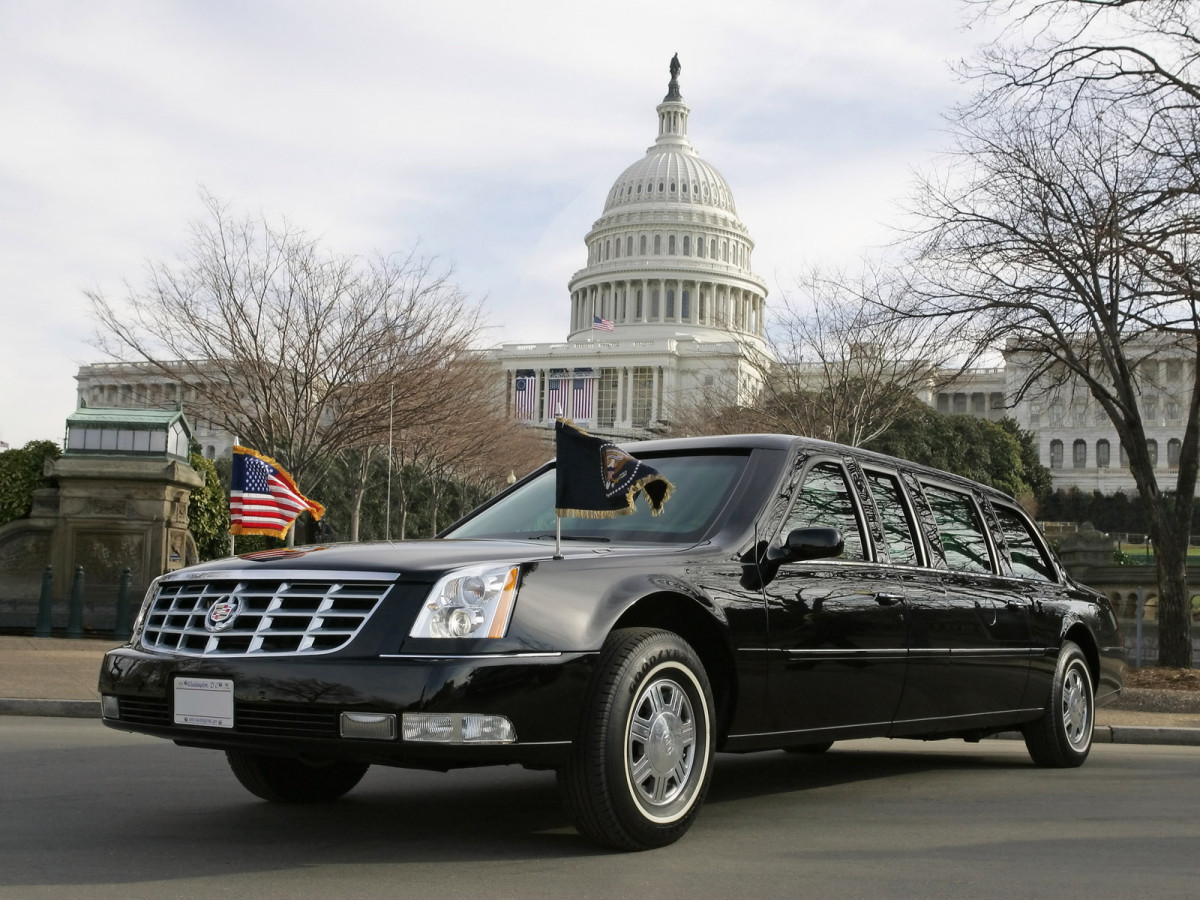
(1028, 560)
(897, 529)
(963, 540)
(825, 500)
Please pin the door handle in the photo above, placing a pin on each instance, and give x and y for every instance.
(886, 599)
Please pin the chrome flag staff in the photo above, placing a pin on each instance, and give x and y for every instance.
(263, 498)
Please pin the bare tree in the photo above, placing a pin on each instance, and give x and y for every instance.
(1065, 228)
(300, 352)
(842, 364)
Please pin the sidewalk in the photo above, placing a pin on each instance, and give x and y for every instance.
(57, 677)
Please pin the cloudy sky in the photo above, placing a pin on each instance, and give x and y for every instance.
(485, 133)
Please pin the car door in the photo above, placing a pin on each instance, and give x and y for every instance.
(837, 625)
(968, 644)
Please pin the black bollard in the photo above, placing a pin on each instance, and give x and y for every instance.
(121, 628)
(46, 605)
(75, 608)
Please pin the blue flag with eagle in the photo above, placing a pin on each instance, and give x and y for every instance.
(595, 479)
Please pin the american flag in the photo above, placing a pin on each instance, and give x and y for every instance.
(599, 324)
(263, 498)
(557, 400)
(582, 393)
(524, 396)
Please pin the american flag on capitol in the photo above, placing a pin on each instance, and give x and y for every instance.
(263, 498)
(599, 324)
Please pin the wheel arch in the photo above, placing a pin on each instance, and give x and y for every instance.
(685, 617)
(1081, 636)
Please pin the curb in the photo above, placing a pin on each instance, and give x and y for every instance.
(70, 709)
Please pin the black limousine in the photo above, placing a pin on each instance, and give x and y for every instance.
(792, 594)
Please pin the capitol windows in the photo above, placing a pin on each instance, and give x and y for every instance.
(1173, 448)
(657, 244)
(684, 306)
(1102, 454)
(629, 246)
(1056, 454)
(670, 304)
(703, 309)
(607, 248)
(660, 187)
(617, 248)
(672, 187)
(638, 305)
(654, 305)
(671, 245)
(1079, 455)
(712, 248)
(685, 190)
(642, 245)
(700, 246)
(1152, 452)
(1056, 413)
(1174, 370)
(687, 243)
(724, 251)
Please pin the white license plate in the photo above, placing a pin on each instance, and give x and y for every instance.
(207, 702)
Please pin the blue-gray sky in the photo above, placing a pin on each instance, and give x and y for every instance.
(486, 133)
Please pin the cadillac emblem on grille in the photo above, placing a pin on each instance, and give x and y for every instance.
(222, 613)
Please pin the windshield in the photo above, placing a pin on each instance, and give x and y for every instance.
(702, 485)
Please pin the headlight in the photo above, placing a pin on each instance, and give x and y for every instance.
(469, 603)
(135, 633)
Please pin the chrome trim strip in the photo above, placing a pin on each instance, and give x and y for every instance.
(918, 653)
(280, 574)
(529, 655)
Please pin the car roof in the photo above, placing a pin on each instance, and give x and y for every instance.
(788, 442)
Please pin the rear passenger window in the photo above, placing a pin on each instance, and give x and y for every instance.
(825, 500)
(897, 529)
(963, 540)
(1028, 559)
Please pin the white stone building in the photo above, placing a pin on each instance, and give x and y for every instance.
(667, 307)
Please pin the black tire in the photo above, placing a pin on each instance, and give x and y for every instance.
(282, 779)
(1062, 737)
(641, 765)
(819, 747)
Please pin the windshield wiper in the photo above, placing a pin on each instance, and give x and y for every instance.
(572, 537)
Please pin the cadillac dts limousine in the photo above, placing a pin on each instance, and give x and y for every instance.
(792, 594)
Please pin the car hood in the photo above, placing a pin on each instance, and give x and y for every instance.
(407, 558)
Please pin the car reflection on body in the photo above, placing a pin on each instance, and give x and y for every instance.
(794, 593)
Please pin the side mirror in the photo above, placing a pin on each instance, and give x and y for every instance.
(811, 543)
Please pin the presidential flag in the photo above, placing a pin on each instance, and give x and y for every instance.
(263, 498)
(595, 479)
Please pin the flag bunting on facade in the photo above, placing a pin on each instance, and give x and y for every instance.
(263, 498)
(599, 324)
(595, 479)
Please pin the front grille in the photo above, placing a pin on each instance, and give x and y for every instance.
(259, 618)
(278, 720)
(145, 711)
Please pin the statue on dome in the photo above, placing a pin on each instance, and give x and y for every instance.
(675, 67)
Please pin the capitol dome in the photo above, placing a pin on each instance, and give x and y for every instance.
(669, 256)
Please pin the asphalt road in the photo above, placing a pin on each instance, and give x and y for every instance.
(90, 812)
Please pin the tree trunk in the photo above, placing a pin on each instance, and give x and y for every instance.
(1174, 603)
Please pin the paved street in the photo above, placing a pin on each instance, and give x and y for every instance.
(90, 812)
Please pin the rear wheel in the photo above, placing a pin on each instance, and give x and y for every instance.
(1062, 737)
(641, 765)
(282, 779)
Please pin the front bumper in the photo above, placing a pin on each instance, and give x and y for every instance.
(291, 705)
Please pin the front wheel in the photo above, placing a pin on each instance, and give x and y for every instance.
(282, 779)
(642, 762)
(1062, 737)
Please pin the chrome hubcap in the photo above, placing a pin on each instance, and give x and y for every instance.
(662, 743)
(1076, 707)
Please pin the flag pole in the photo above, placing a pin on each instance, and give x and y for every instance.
(557, 536)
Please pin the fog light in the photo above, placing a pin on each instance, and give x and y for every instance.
(369, 726)
(458, 728)
(428, 727)
(487, 730)
(110, 708)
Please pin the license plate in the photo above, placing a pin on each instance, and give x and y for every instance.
(207, 702)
